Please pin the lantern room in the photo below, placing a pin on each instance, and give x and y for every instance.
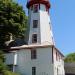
(32, 2)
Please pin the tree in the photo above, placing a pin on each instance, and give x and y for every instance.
(70, 57)
(13, 21)
(2, 65)
(9, 73)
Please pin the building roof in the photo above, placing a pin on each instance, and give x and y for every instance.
(70, 64)
(70, 68)
(34, 46)
(14, 43)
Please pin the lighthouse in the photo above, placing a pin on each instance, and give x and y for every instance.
(39, 56)
(40, 31)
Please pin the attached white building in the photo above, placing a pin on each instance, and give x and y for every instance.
(40, 56)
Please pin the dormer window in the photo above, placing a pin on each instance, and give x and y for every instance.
(35, 9)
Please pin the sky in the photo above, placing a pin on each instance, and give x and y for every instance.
(62, 14)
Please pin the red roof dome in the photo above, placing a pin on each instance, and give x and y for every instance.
(31, 2)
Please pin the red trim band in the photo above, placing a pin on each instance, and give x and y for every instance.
(31, 2)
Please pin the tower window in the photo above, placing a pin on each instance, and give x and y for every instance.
(31, 7)
(35, 8)
(35, 23)
(34, 38)
(33, 54)
(33, 70)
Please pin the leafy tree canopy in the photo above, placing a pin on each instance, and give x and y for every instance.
(70, 57)
(12, 20)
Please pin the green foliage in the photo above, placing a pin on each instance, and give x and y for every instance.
(70, 57)
(12, 20)
(9, 73)
(1, 56)
(2, 65)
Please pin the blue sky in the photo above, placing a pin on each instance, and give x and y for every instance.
(62, 15)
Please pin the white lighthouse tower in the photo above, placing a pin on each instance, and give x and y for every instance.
(39, 21)
(39, 56)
